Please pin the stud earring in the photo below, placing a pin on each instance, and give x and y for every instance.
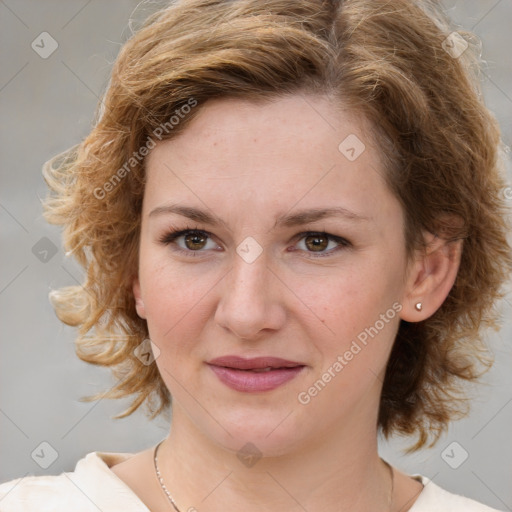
(418, 306)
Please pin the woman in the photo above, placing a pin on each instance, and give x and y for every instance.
(291, 218)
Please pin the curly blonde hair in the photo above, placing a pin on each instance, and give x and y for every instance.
(388, 61)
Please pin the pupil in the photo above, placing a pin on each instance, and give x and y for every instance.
(197, 241)
(316, 245)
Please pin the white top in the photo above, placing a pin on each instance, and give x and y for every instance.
(93, 486)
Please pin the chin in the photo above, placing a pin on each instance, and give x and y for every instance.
(271, 436)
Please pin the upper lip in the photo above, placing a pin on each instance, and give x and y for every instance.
(243, 363)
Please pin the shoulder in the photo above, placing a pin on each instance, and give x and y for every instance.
(436, 498)
(44, 492)
(91, 486)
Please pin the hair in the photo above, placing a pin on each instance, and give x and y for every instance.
(385, 60)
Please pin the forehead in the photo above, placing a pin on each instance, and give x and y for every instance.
(315, 123)
(264, 156)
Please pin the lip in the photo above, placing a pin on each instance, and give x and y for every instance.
(252, 363)
(235, 372)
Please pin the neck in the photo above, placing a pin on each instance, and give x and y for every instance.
(344, 472)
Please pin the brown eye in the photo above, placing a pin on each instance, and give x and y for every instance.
(321, 244)
(191, 242)
(317, 242)
(195, 241)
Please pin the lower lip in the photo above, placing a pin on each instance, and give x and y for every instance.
(253, 382)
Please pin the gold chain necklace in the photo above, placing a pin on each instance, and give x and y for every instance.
(173, 503)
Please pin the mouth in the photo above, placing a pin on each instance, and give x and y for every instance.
(255, 374)
(263, 363)
(261, 370)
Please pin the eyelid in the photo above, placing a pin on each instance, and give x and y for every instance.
(172, 234)
(336, 238)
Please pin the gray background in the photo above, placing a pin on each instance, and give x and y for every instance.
(47, 105)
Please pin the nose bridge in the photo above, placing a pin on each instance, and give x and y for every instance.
(247, 304)
(249, 278)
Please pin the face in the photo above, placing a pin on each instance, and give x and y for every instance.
(247, 268)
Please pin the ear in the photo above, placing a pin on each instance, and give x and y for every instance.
(430, 277)
(139, 303)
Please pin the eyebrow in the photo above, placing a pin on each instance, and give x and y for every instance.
(286, 220)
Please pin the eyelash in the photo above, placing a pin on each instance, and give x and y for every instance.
(171, 236)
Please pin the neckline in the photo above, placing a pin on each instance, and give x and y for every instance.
(108, 459)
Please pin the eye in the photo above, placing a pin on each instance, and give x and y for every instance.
(193, 241)
(188, 241)
(317, 243)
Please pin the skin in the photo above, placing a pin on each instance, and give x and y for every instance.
(248, 163)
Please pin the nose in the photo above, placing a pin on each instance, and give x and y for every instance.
(251, 304)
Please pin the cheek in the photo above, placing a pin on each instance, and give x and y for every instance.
(361, 315)
(356, 305)
(175, 300)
